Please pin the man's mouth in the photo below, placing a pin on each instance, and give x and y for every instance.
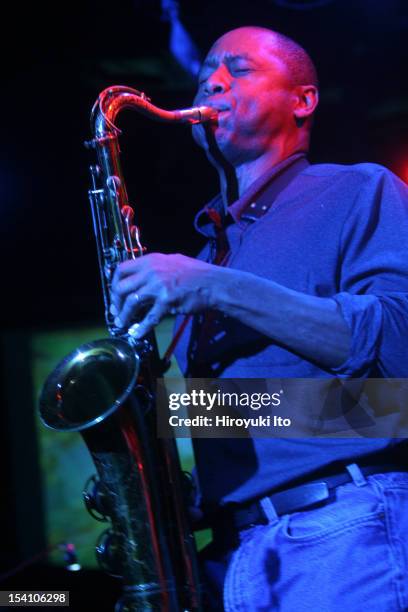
(222, 113)
(220, 108)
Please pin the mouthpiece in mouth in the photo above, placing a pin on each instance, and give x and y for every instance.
(197, 114)
(207, 113)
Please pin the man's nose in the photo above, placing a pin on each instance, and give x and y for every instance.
(217, 82)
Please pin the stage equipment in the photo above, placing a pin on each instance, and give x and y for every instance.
(106, 390)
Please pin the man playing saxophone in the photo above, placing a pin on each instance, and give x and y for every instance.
(305, 275)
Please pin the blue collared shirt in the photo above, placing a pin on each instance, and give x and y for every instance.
(332, 231)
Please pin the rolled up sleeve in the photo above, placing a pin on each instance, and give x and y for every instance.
(373, 296)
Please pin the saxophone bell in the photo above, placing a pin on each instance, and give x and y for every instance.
(88, 385)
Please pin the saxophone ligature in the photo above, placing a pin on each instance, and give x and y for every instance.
(106, 390)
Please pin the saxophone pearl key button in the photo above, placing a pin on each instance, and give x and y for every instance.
(133, 331)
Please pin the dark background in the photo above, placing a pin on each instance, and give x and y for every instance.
(54, 61)
(57, 60)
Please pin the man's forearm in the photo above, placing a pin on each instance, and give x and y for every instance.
(310, 326)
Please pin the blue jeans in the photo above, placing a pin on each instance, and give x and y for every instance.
(349, 554)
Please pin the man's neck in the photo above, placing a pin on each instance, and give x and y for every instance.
(248, 172)
(235, 179)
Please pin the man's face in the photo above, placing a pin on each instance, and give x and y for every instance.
(247, 82)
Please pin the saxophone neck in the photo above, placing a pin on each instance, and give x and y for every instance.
(115, 98)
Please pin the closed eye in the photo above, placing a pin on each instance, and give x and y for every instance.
(241, 72)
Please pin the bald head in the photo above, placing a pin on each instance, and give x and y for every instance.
(299, 65)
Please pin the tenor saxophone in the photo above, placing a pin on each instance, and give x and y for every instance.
(106, 390)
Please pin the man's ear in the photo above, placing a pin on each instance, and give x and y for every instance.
(306, 98)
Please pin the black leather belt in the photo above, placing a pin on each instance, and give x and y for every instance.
(297, 498)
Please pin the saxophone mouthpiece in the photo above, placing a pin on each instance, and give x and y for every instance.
(196, 114)
(208, 113)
